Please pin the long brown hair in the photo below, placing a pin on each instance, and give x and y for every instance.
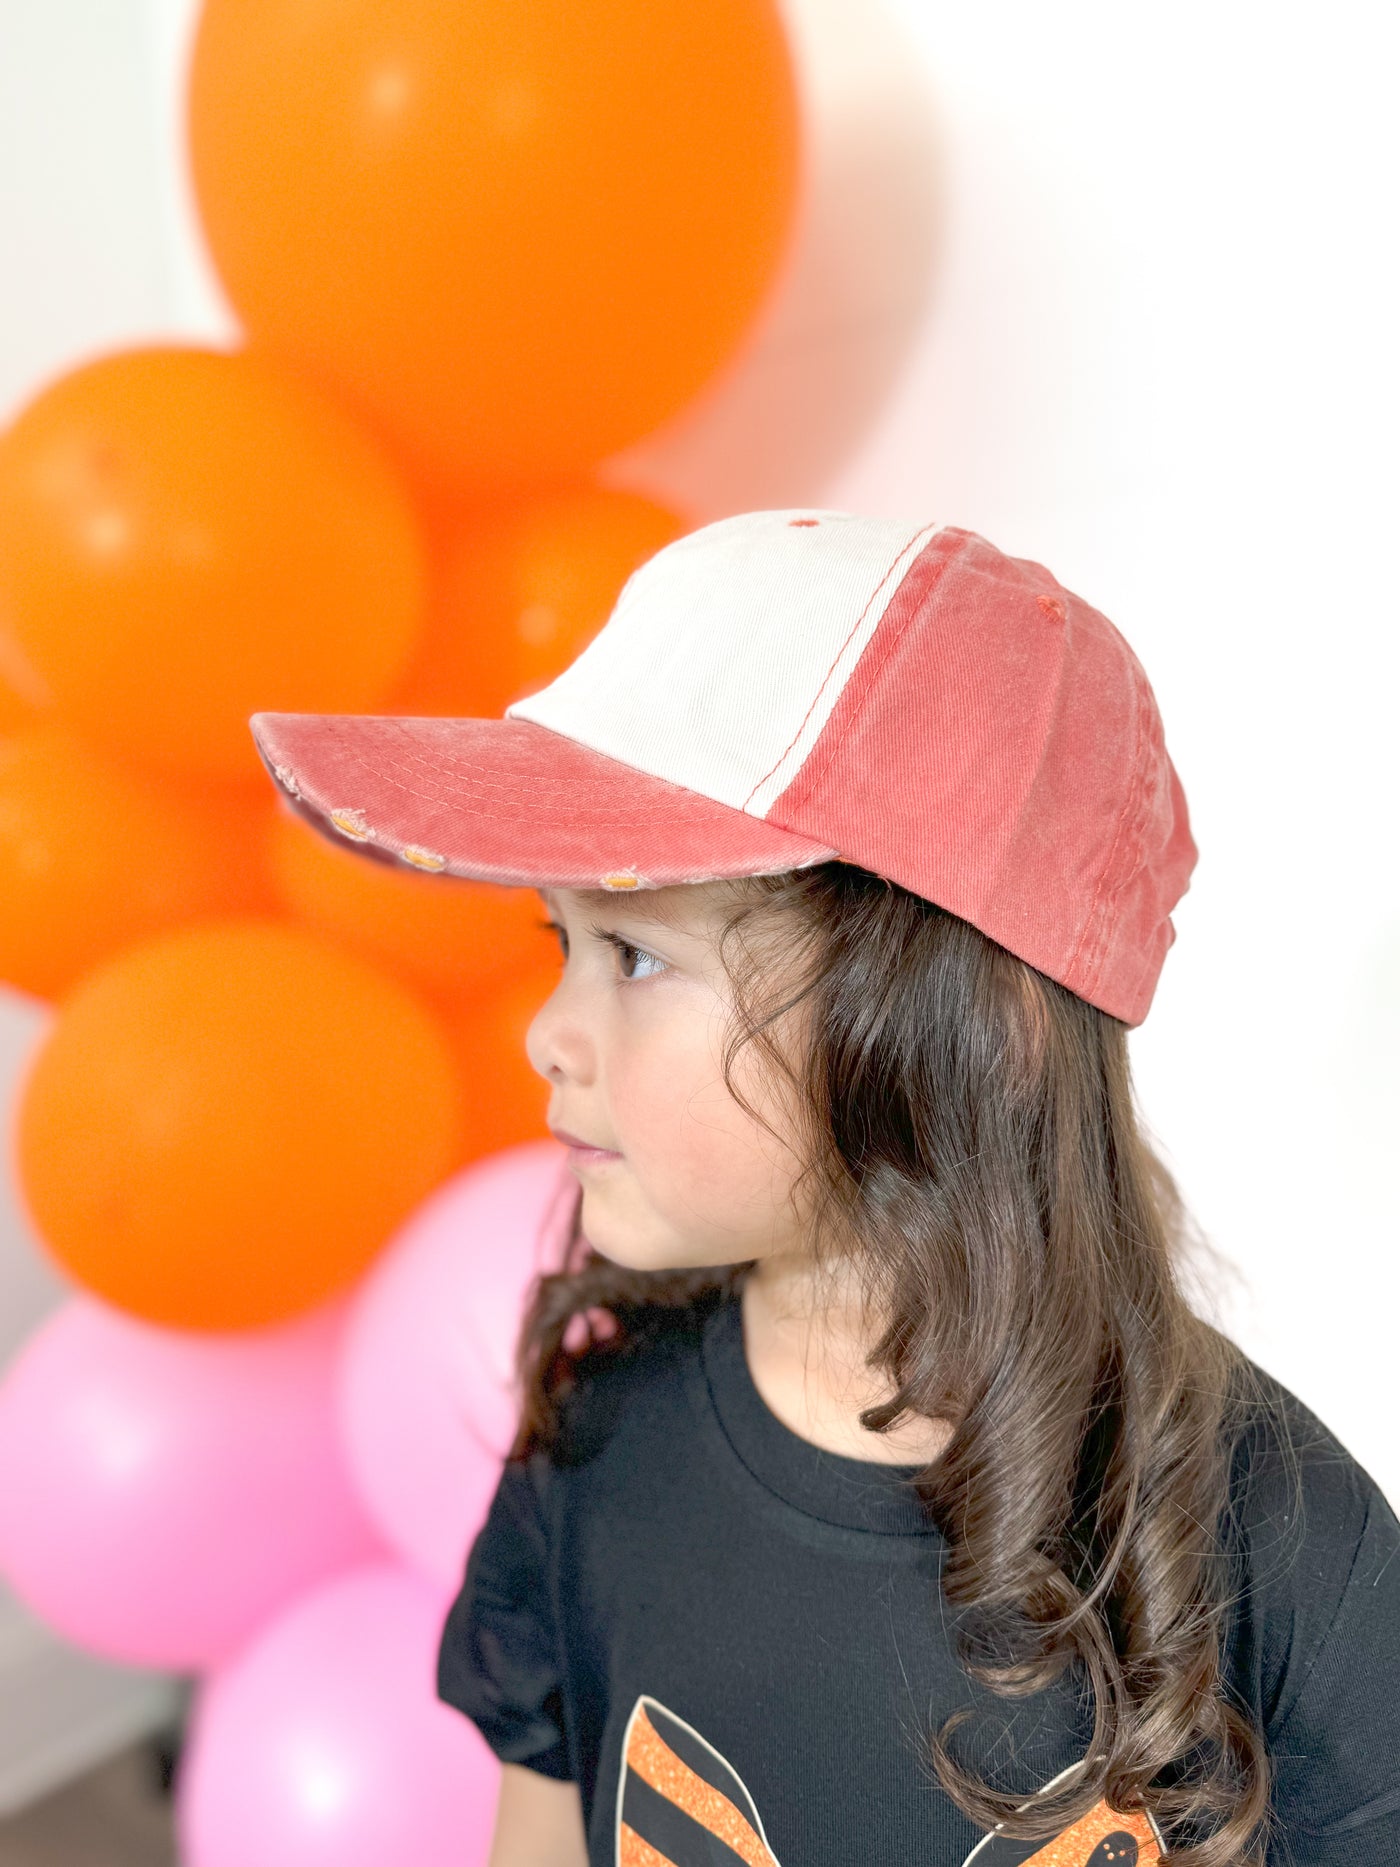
(970, 1137)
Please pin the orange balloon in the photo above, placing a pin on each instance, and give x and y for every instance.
(516, 237)
(187, 538)
(506, 1098)
(446, 934)
(18, 700)
(13, 710)
(94, 856)
(520, 589)
(226, 1123)
(17, 704)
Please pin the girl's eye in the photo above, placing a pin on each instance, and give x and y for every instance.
(629, 953)
(633, 962)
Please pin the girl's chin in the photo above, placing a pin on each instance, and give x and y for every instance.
(649, 1255)
(623, 1252)
(605, 1220)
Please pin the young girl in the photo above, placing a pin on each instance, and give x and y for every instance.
(878, 1496)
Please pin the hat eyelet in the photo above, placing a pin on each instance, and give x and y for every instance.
(352, 823)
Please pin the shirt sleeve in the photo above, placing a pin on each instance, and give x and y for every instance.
(1337, 1749)
(498, 1661)
(1326, 1646)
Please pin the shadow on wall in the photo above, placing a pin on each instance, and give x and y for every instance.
(827, 353)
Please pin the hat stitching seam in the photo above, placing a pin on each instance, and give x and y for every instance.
(1095, 962)
(601, 822)
(622, 826)
(845, 642)
(1150, 958)
(482, 782)
(656, 816)
(812, 778)
(417, 760)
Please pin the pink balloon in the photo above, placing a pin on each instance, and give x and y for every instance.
(324, 1743)
(427, 1400)
(164, 1491)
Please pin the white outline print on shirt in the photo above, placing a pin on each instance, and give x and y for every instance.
(1102, 1838)
(677, 1796)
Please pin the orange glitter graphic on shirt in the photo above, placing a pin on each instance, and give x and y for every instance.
(632, 1851)
(1102, 1838)
(657, 1764)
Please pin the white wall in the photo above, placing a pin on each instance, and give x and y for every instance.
(1161, 359)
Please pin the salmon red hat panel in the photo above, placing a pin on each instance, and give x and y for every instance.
(505, 801)
(779, 688)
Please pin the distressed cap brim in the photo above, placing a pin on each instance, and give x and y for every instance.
(511, 802)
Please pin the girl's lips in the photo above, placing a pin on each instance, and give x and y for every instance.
(591, 1156)
(577, 1145)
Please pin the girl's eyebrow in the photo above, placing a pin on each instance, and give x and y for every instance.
(606, 902)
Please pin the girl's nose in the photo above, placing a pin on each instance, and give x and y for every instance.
(557, 1045)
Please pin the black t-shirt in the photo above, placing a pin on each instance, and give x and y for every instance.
(735, 1642)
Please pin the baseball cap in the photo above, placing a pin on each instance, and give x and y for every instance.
(782, 688)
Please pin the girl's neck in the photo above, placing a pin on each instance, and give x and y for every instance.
(808, 1363)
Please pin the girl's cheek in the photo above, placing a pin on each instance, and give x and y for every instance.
(654, 1074)
(669, 1104)
(663, 1125)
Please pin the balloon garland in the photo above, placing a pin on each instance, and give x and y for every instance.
(282, 1137)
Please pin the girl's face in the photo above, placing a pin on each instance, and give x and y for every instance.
(630, 1044)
